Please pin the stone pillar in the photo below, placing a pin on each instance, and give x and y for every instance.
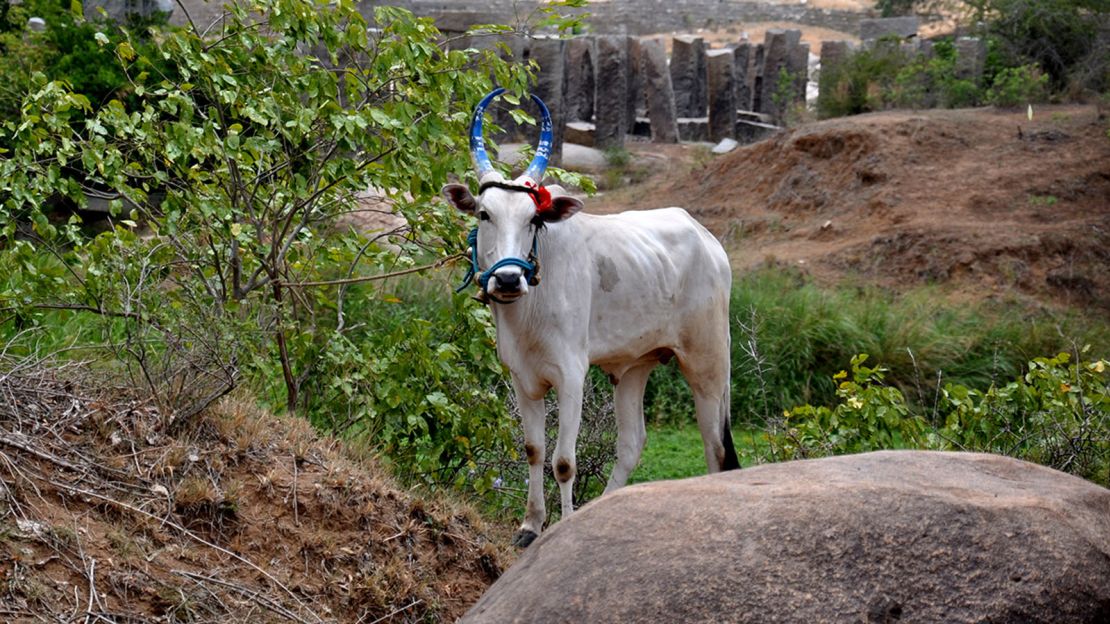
(833, 53)
(636, 100)
(550, 53)
(778, 46)
(660, 94)
(720, 82)
(798, 66)
(688, 75)
(611, 102)
(757, 77)
(580, 78)
(971, 56)
(741, 64)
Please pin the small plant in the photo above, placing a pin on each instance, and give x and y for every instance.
(1042, 200)
(868, 416)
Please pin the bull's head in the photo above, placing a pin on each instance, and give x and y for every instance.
(510, 214)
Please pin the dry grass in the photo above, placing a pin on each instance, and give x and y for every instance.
(110, 511)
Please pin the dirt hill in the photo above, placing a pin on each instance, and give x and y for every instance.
(109, 512)
(984, 200)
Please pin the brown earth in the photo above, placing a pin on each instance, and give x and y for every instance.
(109, 512)
(982, 200)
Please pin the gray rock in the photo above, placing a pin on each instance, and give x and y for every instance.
(660, 94)
(897, 535)
(688, 75)
(904, 27)
(610, 105)
(722, 94)
(725, 146)
(583, 159)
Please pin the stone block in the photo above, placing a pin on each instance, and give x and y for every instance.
(778, 46)
(721, 89)
(580, 133)
(693, 128)
(741, 62)
(550, 54)
(581, 82)
(688, 75)
(659, 91)
(971, 56)
(610, 104)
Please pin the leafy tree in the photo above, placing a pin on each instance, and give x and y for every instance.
(228, 169)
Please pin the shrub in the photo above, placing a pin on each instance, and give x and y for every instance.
(1017, 86)
(1056, 414)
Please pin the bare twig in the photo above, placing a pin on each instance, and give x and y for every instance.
(373, 278)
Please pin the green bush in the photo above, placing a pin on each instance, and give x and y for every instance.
(1057, 414)
(1017, 86)
(867, 416)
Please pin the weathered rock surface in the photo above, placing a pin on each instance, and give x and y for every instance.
(879, 537)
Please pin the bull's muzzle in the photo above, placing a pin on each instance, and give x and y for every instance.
(508, 284)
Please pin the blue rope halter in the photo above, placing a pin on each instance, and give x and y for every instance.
(530, 267)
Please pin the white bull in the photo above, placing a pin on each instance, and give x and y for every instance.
(624, 292)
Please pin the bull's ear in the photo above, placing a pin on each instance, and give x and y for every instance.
(562, 208)
(459, 196)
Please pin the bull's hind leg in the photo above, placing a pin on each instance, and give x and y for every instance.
(628, 398)
(708, 376)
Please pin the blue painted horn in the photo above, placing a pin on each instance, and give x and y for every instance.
(478, 143)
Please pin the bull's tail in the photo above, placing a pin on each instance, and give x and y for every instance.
(731, 461)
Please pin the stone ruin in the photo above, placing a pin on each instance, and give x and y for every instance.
(601, 89)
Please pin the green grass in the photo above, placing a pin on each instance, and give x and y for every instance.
(675, 452)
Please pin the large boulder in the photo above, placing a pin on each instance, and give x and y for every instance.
(910, 535)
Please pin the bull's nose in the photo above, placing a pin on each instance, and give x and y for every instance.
(508, 280)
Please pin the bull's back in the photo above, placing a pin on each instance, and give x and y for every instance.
(654, 273)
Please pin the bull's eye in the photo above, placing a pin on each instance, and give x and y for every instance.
(483, 215)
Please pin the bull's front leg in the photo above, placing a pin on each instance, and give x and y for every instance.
(532, 418)
(570, 418)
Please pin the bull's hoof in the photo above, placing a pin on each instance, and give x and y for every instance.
(523, 538)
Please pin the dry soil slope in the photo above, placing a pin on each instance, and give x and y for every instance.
(982, 199)
(110, 511)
